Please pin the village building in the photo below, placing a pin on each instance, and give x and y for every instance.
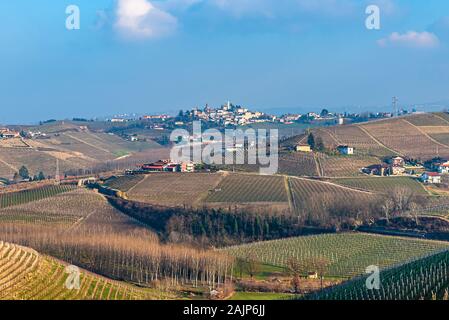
(9, 134)
(377, 170)
(168, 166)
(443, 168)
(397, 166)
(347, 150)
(303, 148)
(398, 161)
(431, 177)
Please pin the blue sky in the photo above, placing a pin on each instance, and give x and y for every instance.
(151, 56)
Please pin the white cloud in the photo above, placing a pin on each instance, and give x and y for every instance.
(411, 39)
(141, 19)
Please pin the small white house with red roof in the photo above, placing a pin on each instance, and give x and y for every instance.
(431, 177)
(443, 168)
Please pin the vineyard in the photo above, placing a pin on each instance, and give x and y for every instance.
(124, 183)
(25, 274)
(309, 194)
(348, 254)
(383, 184)
(344, 166)
(355, 137)
(400, 135)
(236, 188)
(298, 164)
(425, 278)
(175, 189)
(25, 196)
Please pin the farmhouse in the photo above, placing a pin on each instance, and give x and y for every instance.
(397, 166)
(303, 148)
(431, 177)
(168, 166)
(443, 168)
(377, 170)
(347, 150)
(9, 134)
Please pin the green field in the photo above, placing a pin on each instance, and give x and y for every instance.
(383, 184)
(249, 188)
(348, 254)
(25, 196)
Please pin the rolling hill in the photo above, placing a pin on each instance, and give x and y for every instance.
(27, 275)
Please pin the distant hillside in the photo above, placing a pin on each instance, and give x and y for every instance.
(422, 136)
(75, 146)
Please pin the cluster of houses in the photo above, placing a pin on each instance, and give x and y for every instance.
(229, 114)
(399, 166)
(166, 165)
(5, 133)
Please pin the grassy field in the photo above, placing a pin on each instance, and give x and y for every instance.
(348, 254)
(27, 275)
(241, 188)
(383, 184)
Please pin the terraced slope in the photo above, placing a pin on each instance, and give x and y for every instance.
(27, 275)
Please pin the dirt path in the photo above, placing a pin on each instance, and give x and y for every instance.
(291, 199)
(138, 184)
(377, 141)
(336, 185)
(319, 169)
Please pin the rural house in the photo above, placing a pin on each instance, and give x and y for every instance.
(347, 150)
(377, 170)
(303, 148)
(431, 177)
(397, 166)
(443, 168)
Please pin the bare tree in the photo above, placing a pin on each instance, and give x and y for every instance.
(401, 197)
(295, 268)
(414, 211)
(387, 209)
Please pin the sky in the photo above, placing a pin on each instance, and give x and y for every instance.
(160, 56)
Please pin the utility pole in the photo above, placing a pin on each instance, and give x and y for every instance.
(395, 106)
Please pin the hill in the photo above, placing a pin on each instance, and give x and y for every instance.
(422, 136)
(77, 146)
(348, 254)
(27, 275)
